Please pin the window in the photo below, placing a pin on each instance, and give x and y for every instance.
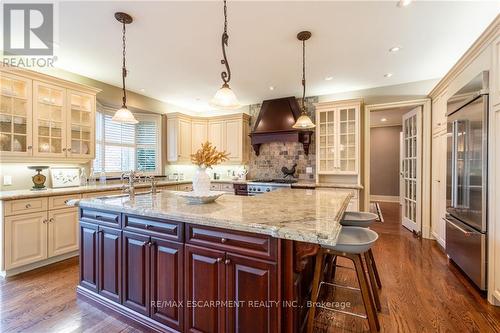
(125, 147)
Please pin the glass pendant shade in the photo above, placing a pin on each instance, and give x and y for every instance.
(225, 99)
(304, 122)
(123, 115)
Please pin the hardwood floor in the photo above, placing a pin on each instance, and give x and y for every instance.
(421, 292)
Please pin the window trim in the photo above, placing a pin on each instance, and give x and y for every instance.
(105, 110)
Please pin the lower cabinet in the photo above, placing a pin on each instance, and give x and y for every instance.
(182, 286)
(62, 231)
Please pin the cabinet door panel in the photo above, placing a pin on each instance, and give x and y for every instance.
(233, 139)
(81, 124)
(205, 282)
(184, 140)
(88, 255)
(215, 134)
(109, 249)
(25, 239)
(167, 294)
(135, 266)
(242, 272)
(63, 231)
(199, 134)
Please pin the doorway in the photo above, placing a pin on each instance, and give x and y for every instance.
(397, 160)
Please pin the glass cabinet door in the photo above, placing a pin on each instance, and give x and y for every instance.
(81, 126)
(327, 139)
(347, 140)
(15, 115)
(50, 120)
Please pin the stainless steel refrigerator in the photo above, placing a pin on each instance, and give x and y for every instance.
(467, 179)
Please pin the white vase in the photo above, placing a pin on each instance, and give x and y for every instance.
(201, 181)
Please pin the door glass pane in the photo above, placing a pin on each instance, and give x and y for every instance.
(5, 142)
(19, 143)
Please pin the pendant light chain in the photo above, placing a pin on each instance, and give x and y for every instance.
(303, 76)
(225, 75)
(124, 69)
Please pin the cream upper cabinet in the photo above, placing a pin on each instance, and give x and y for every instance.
(495, 73)
(439, 108)
(62, 231)
(199, 134)
(337, 138)
(45, 117)
(25, 239)
(178, 138)
(15, 115)
(229, 133)
(49, 117)
(216, 133)
(81, 125)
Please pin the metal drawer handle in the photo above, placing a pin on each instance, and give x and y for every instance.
(44, 221)
(51, 219)
(227, 262)
(66, 201)
(147, 226)
(223, 240)
(28, 205)
(219, 260)
(467, 233)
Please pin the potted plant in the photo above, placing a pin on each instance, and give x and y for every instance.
(206, 157)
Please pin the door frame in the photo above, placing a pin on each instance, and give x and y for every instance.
(426, 139)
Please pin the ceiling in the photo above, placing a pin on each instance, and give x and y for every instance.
(173, 48)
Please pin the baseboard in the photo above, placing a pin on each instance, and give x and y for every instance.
(440, 241)
(29, 267)
(384, 198)
(122, 311)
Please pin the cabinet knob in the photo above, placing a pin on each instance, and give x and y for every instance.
(30, 147)
(64, 149)
(227, 262)
(28, 205)
(147, 226)
(223, 240)
(44, 221)
(219, 260)
(51, 219)
(69, 149)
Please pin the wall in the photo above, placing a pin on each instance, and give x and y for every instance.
(384, 160)
(275, 155)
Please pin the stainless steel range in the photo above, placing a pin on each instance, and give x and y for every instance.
(267, 185)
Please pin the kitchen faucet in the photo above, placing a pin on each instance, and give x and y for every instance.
(133, 177)
(153, 184)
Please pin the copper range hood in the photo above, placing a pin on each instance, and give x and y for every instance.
(274, 124)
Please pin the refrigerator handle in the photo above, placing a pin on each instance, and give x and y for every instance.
(465, 232)
(454, 147)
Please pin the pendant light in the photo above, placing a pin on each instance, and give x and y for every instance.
(304, 122)
(224, 98)
(123, 115)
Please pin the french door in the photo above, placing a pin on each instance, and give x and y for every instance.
(411, 170)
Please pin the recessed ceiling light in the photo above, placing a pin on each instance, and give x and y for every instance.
(271, 88)
(143, 90)
(394, 49)
(387, 74)
(403, 3)
(328, 78)
(383, 119)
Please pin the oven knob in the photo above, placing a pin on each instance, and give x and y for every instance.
(258, 189)
(268, 189)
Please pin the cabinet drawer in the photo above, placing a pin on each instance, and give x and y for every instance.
(111, 219)
(169, 187)
(185, 187)
(255, 245)
(240, 187)
(227, 187)
(61, 200)
(24, 206)
(215, 187)
(159, 228)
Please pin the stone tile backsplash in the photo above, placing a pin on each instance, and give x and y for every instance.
(275, 155)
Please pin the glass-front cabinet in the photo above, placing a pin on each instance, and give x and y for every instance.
(15, 116)
(338, 139)
(81, 129)
(49, 120)
(45, 117)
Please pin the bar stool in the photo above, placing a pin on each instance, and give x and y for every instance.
(364, 220)
(352, 243)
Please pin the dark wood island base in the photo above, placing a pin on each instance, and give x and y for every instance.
(173, 276)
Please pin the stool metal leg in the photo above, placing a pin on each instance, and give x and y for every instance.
(375, 270)
(365, 293)
(318, 269)
(373, 285)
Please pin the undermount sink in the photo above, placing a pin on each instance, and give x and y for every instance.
(114, 196)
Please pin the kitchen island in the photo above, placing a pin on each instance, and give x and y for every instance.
(240, 264)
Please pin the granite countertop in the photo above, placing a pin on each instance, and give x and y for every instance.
(305, 215)
(26, 194)
(313, 184)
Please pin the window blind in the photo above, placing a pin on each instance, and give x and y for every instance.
(124, 147)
